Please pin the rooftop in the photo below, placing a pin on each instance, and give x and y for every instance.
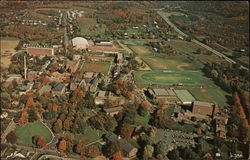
(113, 109)
(184, 96)
(200, 103)
(79, 41)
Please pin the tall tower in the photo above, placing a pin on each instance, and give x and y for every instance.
(25, 68)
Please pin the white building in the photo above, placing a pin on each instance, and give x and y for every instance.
(80, 43)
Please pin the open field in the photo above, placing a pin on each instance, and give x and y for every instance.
(89, 26)
(157, 61)
(7, 46)
(90, 135)
(211, 94)
(100, 67)
(148, 77)
(26, 132)
(190, 48)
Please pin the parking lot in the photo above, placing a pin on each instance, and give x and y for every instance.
(175, 138)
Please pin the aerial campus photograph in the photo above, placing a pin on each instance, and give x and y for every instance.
(124, 80)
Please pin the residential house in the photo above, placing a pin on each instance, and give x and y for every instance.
(113, 111)
(44, 89)
(127, 149)
(94, 84)
(4, 115)
(58, 89)
(40, 51)
(13, 77)
(77, 57)
(76, 82)
(32, 75)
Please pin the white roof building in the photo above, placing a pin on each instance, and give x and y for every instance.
(80, 43)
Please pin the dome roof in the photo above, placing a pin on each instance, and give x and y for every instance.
(79, 41)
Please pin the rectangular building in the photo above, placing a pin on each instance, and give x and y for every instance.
(40, 51)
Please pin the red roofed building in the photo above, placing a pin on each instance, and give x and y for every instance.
(203, 108)
(40, 51)
(103, 49)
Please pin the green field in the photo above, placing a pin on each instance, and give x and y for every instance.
(90, 135)
(99, 67)
(211, 94)
(148, 77)
(26, 132)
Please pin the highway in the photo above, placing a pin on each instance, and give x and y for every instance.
(197, 42)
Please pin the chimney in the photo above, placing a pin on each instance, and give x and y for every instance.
(25, 68)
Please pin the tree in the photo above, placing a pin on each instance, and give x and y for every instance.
(32, 115)
(80, 147)
(112, 148)
(236, 98)
(57, 126)
(148, 151)
(41, 142)
(126, 131)
(11, 137)
(92, 151)
(161, 148)
(117, 156)
(62, 145)
(142, 111)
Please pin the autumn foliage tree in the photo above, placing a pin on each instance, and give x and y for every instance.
(41, 142)
(117, 156)
(11, 137)
(57, 126)
(62, 145)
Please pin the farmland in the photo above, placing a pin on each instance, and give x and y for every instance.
(26, 132)
(100, 67)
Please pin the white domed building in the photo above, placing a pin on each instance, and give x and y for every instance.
(80, 43)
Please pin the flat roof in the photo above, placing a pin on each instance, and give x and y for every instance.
(200, 103)
(113, 109)
(184, 95)
(160, 92)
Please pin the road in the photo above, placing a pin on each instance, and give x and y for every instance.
(197, 42)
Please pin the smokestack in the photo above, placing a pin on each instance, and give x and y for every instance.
(25, 68)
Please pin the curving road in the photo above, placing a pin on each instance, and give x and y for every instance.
(197, 42)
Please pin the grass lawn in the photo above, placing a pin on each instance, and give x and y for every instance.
(134, 41)
(89, 135)
(148, 77)
(26, 132)
(100, 67)
(211, 94)
(160, 61)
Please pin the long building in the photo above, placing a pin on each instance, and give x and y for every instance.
(40, 51)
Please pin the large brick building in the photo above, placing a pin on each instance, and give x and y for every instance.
(40, 51)
(203, 108)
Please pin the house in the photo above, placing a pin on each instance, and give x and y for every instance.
(4, 115)
(93, 84)
(76, 82)
(32, 75)
(80, 43)
(127, 149)
(204, 108)
(58, 89)
(13, 77)
(113, 111)
(72, 66)
(117, 70)
(77, 57)
(44, 89)
(40, 51)
(185, 98)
